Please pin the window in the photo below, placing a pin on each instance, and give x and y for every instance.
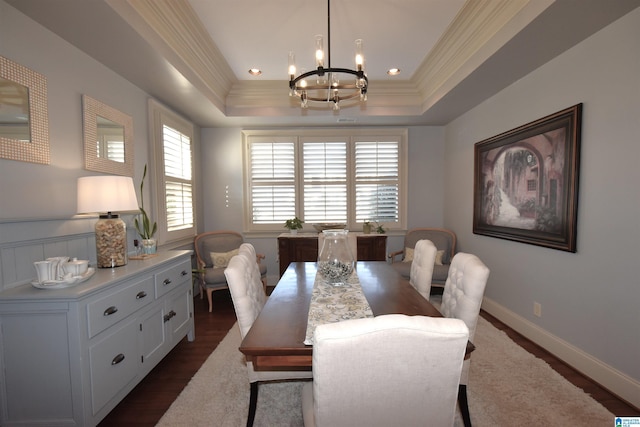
(325, 176)
(173, 148)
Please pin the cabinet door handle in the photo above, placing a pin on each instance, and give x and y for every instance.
(111, 310)
(166, 282)
(119, 358)
(184, 273)
(141, 295)
(169, 315)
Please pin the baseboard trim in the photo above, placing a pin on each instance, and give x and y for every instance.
(608, 377)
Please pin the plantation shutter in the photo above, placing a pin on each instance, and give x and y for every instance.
(377, 181)
(177, 179)
(325, 181)
(115, 151)
(325, 176)
(272, 181)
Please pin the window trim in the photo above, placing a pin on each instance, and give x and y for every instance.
(159, 115)
(351, 135)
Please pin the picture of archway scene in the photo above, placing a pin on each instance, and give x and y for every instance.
(526, 182)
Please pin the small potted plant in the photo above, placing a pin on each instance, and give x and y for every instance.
(366, 227)
(293, 225)
(380, 229)
(144, 226)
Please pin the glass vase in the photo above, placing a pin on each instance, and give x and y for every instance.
(335, 260)
(149, 246)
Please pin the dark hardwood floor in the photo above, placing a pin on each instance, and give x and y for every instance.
(146, 404)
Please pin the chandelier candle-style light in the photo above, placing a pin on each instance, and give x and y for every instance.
(328, 87)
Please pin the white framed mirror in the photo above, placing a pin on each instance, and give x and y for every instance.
(108, 138)
(24, 118)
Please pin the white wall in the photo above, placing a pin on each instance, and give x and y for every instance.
(590, 298)
(36, 191)
(37, 202)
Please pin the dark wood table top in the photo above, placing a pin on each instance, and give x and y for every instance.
(276, 339)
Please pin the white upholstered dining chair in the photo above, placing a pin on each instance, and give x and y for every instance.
(424, 257)
(390, 370)
(461, 299)
(250, 252)
(247, 293)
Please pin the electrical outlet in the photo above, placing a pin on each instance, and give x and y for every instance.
(537, 309)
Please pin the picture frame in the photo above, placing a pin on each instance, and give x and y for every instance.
(526, 182)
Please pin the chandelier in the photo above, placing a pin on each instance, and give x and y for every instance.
(330, 85)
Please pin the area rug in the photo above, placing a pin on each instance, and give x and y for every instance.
(508, 386)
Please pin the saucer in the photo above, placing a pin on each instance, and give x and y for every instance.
(64, 283)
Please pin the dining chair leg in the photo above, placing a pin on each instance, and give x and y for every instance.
(253, 403)
(464, 405)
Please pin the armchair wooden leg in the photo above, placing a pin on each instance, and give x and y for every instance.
(464, 405)
(253, 403)
(210, 299)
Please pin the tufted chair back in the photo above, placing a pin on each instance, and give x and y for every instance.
(250, 252)
(464, 290)
(461, 299)
(424, 257)
(246, 290)
(390, 370)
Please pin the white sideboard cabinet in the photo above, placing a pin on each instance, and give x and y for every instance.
(68, 356)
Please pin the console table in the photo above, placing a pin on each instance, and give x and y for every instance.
(304, 247)
(68, 356)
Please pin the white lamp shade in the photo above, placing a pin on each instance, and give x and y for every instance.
(106, 193)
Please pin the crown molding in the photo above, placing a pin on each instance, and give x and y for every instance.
(173, 27)
(479, 30)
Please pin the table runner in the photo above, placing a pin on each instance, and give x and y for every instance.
(330, 304)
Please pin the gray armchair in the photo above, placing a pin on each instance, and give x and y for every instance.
(443, 239)
(221, 245)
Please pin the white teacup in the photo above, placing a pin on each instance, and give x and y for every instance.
(76, 267)
(58, 271)
(46, 270)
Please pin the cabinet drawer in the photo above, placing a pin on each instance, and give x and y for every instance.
(110, 309)
(170, 278)
(113, 364)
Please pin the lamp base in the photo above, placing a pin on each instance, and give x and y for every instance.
(111, 241)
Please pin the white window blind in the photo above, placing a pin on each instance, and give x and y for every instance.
(178, 185)
(111, 150)
(173, 189)
(377, 180)
(325, 181)
(272, 176)
(325, 175)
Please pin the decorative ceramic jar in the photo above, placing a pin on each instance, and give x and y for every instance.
(335, 261)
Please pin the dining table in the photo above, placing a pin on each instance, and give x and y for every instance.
(276, 340)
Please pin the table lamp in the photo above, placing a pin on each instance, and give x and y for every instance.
(108, 193)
